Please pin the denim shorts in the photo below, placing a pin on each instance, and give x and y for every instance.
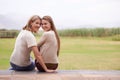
(19, 68)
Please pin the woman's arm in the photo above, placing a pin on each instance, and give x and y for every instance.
(39, 58)
(42, 40)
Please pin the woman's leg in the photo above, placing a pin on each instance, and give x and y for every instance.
(19, 68)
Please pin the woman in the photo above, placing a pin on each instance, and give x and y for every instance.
(25, 43)
(49, 45)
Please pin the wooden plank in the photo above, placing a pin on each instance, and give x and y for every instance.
(60, 75)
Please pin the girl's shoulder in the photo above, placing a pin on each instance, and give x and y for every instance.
(48, 32)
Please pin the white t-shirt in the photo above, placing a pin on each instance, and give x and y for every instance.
(48, 47)
(22, 49)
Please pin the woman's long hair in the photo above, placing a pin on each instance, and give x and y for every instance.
(32, 19)
(49, 19)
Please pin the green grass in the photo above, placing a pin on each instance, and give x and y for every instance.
(89, 53)
(76, 53)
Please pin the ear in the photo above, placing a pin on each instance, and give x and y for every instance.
(31, 24)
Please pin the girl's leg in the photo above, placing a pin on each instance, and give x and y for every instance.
(49, 66)
(39, 67)
(52, 66)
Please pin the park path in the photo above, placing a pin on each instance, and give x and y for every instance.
(60, 75)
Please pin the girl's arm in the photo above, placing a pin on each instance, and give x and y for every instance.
(39, 58)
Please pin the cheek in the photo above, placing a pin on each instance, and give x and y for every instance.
(36, 28)
(32, 25)
(49, 26)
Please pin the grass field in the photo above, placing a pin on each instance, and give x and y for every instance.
(76, 53)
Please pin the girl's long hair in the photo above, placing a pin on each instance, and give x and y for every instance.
(32, 19)
(49, 19)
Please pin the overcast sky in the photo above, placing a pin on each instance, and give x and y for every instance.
(67, 13)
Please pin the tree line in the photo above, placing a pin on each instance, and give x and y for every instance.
(4, 33)
(82, 32)
(90, 32)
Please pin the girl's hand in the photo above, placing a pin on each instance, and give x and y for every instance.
(50, 71)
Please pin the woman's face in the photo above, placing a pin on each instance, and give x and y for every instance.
(46, 25)
(35, 25)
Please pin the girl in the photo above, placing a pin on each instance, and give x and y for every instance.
(49, 45)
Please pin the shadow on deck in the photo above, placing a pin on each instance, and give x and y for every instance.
(60, 75)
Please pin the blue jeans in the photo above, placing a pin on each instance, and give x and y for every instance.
(19, 68)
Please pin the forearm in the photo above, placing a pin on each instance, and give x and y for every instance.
(38, 48)
(39, 58)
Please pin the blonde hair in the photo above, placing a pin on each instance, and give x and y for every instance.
(49, 19)
(32, 19)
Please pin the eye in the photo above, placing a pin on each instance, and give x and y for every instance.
(38, 23)
(44, 23)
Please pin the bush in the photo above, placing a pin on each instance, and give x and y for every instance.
(8, 34)
(88, 32)
(116, 38)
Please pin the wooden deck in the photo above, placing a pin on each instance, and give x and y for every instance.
(60, 75)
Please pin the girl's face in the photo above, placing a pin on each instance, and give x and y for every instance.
(46, 25)
(35, 25)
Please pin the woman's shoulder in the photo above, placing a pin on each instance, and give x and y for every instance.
(27, 33)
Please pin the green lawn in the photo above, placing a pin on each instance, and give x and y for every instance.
(76, 53)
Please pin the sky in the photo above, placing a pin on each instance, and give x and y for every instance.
(65, 13)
